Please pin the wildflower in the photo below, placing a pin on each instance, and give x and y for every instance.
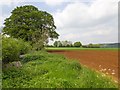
(103, 75)
(104, 69)
(115, 81)
(75, 84)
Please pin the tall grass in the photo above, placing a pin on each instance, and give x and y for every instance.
(53, 71)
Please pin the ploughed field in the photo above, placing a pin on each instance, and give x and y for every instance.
(105, 61)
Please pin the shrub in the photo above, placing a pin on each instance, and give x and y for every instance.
(0, 47)
(24, 47)
(77, 44)
(12, 48)
(31, 57)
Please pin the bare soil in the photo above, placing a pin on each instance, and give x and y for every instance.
(100, 60)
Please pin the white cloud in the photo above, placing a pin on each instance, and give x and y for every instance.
(95, 20)
(81, 20)
(10, 2)
(60, 2)
(54, 2)
(85, 15)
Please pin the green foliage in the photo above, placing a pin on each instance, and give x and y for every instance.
(30, 57)
(77, 44)
(58, 44)
(49, 45)
(0, 61)
(15, 78)
(63, 44)
(93, 45)
(54, 71)
(24, 47)
(0, 47)
(55, 43)
(66, 43)
(31, 24)
(12, 48)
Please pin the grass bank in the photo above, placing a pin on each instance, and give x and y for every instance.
(45, 70)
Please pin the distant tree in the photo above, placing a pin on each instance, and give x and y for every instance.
(63, 43)
(90, 45)
(85, 46)
(70, 44)
(49, 45)
(66, 43)
(77, 44)
(94, 45)
(59, 44)
(55, 44)
(30, 24)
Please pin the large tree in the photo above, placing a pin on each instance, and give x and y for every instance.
(31, 24)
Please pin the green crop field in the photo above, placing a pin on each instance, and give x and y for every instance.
(75, 48)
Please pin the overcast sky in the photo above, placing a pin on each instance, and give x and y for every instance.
(88, 21)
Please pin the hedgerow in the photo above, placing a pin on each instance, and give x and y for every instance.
(12, 49)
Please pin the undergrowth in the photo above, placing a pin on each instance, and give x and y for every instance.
(45, 70)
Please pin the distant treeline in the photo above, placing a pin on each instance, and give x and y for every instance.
(110, 45)
(79, 44)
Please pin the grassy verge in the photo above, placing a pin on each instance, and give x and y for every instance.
(74, 48)
(45, 70)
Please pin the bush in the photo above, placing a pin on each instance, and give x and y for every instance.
(24, 47)
(31, 57)
(12, 48)
(0, 47)
(77, 44)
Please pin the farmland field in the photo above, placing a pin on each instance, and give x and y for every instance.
(59, 45)
(104, 60)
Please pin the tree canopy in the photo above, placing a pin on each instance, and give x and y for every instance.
(30, 24)
(77, 44)
(63, 43)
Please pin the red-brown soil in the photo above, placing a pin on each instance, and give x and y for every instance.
(100, 60)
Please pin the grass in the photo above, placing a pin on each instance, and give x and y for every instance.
(45, 70)
(75, 48)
